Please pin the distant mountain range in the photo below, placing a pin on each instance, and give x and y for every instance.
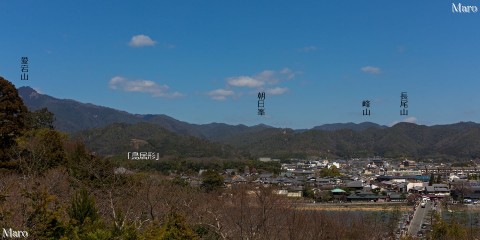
(72, 116)
(453, 142)
(447, 142)
(353, 126)
(110, 132)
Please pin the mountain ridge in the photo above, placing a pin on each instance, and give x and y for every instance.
(399, 141)
(73, 116)
(450, 141)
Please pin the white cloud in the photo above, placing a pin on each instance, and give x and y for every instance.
(371, 70)
(288, 72)
(141, 41)
(408, 120)
(244, 81)
(269, 77)
(266, 80)
(308, 49)
(38, 90)
(145, 86)
(220, 94)
(265, 75)
(277, 90)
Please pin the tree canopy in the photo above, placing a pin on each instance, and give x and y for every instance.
(41, 118)
(212, 180)
(12, 117)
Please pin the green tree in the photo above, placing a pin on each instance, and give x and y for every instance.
(439, 179)
(152, 230)
(432, 178)
(41, 118)
(212, 180)
(85, 222)
(308, 193)
(452, 229)
(40, 149)
(326, 196)
(180, 182)
(82, 208)
(330, 172)
(12, 117)
(43, 214)
(87, 168)
(176, 227)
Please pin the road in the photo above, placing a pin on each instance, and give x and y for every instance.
(418, 218)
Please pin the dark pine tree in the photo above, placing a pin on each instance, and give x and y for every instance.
(212, 181)
(432, 178)
(12, 117)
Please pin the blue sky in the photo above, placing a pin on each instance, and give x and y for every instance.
(205, 61)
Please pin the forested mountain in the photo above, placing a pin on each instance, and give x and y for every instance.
(121, 138)
(456, 141)
(103, 134)
(460, 140)
(72, 116)
(353, 126)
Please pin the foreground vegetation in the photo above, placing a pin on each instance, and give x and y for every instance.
(98, 205)
(53, 187)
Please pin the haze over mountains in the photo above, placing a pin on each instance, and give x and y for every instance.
(109, 132)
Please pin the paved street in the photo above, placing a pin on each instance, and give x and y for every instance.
(418, 219)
